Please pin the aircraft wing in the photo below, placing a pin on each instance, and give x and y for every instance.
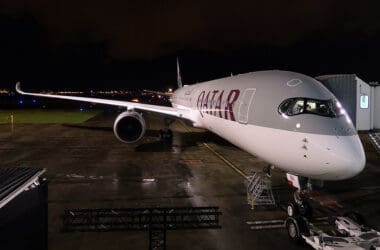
(181, 113)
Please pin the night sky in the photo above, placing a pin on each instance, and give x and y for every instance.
(133, 44)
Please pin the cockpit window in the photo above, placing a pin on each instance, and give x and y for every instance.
(296, 106)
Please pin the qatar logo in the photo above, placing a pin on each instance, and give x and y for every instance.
(218, 103)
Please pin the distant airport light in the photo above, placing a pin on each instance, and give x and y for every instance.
(135, 100)
(34, 101)
(20, 101)
(148, 180)
(170, 90)
(81, 109)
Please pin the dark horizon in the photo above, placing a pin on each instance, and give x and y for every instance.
(67, 52)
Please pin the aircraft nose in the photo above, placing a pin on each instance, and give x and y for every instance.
(352, 158)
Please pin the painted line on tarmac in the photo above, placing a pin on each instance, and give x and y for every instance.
(273, 224)
(267, 227)
(220, 156)
(261, 222)
(230, 164)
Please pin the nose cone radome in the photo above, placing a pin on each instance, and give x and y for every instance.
(352, 160)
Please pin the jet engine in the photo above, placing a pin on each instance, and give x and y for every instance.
(129, 127)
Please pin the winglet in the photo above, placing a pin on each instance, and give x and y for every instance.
(179, 79)
(18, 89)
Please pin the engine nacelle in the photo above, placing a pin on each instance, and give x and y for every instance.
(129, 127)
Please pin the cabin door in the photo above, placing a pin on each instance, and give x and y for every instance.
(245, 105)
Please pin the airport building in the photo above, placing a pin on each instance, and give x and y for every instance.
(360, 99)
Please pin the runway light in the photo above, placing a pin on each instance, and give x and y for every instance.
(81, 109)
(34, 101)
(20, 101)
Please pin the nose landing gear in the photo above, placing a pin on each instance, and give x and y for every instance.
(299, 204)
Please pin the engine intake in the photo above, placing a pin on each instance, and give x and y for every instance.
(129, 127)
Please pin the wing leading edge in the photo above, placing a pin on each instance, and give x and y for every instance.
(181, 113)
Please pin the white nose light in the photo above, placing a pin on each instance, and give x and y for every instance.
(298, 125)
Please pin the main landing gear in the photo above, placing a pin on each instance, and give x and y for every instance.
(166, 134)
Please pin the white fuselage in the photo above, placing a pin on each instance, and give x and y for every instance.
(311, 152)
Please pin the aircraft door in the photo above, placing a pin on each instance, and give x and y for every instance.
(245, 105)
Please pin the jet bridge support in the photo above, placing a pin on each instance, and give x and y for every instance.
(154, 220)
(259, 190)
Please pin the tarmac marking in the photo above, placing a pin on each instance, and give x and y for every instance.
(191, 161)
(267, 227)
(230, 164)
(274, 224)
(260, 222)
(221, 157)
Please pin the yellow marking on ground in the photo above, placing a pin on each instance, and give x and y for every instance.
(220, 156)
(230, 164)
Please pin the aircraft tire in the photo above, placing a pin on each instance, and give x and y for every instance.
(296, 227)
(292, 209)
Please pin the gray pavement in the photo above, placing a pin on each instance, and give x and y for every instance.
(88, 167)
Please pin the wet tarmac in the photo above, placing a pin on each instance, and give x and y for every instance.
(87, 167)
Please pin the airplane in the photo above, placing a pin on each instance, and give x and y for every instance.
(290, 120)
